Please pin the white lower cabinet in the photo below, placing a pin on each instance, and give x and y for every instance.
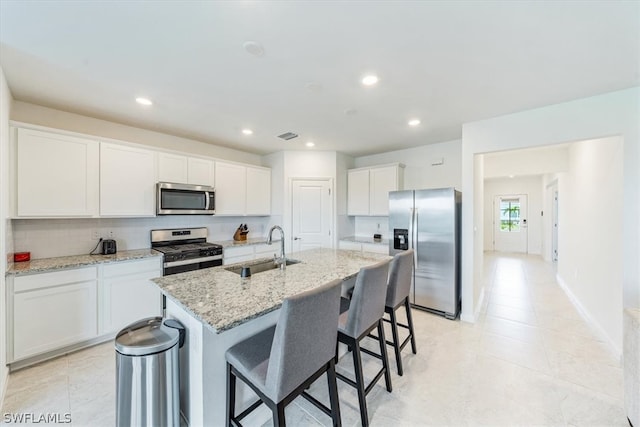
(128, 293)
(237, 254)
(58, 311)
(363, 247)
(53, 310)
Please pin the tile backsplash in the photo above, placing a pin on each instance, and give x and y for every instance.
(46, 238)
(370, 225)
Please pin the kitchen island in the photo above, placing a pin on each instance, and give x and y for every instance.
(220, 309)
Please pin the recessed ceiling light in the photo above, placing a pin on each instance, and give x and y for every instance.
(370, 80)
(254, 48)
(247, 131)
(414, 122)
(310, 144)
(144, 101)
(511, 176)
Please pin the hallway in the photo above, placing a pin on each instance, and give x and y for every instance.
(529, 360)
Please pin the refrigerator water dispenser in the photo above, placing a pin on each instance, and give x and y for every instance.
(400, 239)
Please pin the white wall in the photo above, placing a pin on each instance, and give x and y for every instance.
(38, 115)
(419, 172)
(610, 114)
(46, 238)
(591, 233)
(532, 187)
(535, 161)
(287, 165)
(6, 239)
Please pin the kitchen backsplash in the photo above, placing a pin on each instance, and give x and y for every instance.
(46, 238)
(370, 225)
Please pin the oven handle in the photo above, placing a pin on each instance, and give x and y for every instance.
(192, 261)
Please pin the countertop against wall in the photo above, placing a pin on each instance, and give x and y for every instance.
(241, 243)
(59, 263)
(366, 239)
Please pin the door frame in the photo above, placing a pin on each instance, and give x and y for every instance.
(332, 223)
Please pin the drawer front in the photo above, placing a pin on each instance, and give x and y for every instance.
(134, 267)
(350, 246)
(267, 250)
(378, 249)
(54, 278)
(238, 251)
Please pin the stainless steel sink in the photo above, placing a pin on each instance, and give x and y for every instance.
(259, 267)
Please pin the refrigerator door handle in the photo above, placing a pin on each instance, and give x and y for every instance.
(413, 233)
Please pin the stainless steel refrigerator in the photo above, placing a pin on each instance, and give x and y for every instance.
(429, 222)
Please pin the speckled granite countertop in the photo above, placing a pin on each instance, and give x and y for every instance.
(222, 300)
(59, 263)
(248, 242)
(365, 239)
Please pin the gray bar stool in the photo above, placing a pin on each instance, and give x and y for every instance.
(364, 313)
(280, 362)
(400, 273)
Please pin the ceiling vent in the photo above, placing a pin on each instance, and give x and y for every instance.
(288, 135)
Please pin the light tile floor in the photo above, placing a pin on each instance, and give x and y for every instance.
(529, 360)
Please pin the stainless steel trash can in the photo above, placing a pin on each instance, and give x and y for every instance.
(147, 373)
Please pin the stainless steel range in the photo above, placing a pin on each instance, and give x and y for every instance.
(185, 249)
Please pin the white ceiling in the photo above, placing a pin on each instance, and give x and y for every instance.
(445, 62)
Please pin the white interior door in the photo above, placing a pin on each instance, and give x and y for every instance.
(510, 229)
(312, 214)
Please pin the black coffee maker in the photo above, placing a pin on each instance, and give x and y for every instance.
(108, 247)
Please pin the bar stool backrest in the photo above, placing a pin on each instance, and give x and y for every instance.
(400, 274)
(304, 339)
(367, 301)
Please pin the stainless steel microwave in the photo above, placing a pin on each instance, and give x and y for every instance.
(185, 199)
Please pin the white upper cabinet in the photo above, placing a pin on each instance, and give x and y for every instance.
(172, 168)
(57, 175)
(242, 190)
(258, 191)
(127, 181)
(201, 172)
(368, 189)
(185, 170)
(358, 192)
(231, 188)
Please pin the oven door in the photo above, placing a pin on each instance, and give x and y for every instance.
(176, 267)
(183, 199)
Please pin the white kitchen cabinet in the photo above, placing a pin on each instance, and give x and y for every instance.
(127, 181)
(57, 175)
(242, 190)
(258, 191)
(368, 189)
(231, 188)
(358, 192)
(350, 246)
(185, 170)
(232, 255)
(53, 310)
(128, 295)
(200, 171)
(235, 254)
(173, 168)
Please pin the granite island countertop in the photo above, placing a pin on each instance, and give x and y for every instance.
(222, 300)
(73, 261)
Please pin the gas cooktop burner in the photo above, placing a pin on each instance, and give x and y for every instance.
(186, 249)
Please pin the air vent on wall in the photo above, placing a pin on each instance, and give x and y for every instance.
(288, 135)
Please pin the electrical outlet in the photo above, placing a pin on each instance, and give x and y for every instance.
(110, 234)
(95, 234)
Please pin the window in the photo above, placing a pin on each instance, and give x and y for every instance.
(510, 215)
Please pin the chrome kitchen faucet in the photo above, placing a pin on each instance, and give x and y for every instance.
(282, 261)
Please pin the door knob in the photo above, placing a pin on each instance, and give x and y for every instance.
(297, 238)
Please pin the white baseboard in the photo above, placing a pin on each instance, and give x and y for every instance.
(593, 324)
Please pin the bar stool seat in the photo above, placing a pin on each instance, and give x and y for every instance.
(359, 317)
(280, 362)
(400, 274)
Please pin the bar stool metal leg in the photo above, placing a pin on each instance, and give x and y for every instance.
(410, 324)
